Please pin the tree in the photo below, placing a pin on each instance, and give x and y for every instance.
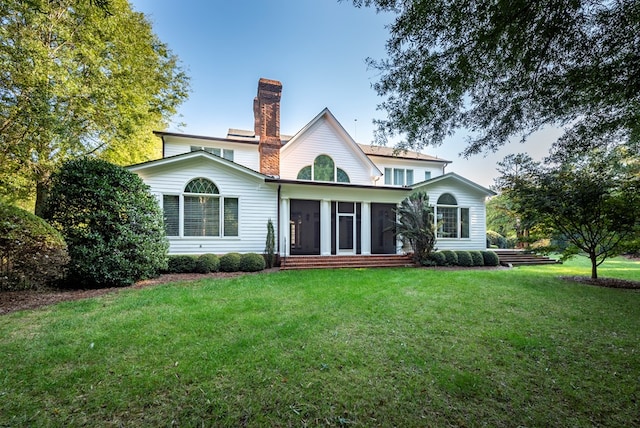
(111, 222)
(78, 78)
(415, 224)
(593, 202)
(500, 69)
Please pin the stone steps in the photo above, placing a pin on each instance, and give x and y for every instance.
(522, 258)
(334, 262)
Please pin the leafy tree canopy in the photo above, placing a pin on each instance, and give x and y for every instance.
(591, 201)
(79, 77)
(500, 69)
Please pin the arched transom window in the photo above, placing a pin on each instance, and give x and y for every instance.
(452, 220)
(323, 169)
(204, 211)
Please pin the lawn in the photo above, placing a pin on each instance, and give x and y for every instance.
(354, 347)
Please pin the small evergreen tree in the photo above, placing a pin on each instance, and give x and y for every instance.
(112, 224)
(270, 246)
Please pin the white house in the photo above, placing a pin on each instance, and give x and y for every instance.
(325, 194)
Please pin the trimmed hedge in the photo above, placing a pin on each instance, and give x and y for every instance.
(464, 258)
(230, 262)
(490, 258)
(32, 253)
(438, 258)
(207, 263)
(451, 256)
(252, 262)
(182, 264)
(478, 260)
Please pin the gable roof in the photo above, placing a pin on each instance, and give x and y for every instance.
(193, 155)
(458, 178)
(390, 152)
(326, 114)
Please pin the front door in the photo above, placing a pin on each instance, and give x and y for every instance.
(346, 219)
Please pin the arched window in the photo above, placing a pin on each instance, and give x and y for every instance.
(342, 176)
(204, 211)
(323, 169)
(305, 173)
(452, 221)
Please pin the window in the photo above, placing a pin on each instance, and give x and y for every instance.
(427, 175)
(452, 221)
(204, 211)
(398, 176)
(323, 169)
(223, 153)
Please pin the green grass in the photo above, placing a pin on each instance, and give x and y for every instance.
(354, 347)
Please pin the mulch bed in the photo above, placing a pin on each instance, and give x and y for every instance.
(604, 282)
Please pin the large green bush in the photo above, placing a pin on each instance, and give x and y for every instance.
(251, 262)
(207, 263)
(230, 262)
(32, 253)
(494, 239)
(464, 258)
(110, 221)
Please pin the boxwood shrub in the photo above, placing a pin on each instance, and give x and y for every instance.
(252, 262)
(478, 260)
(490, 258)
(464, 258)
(438, 258)
(230, 262)
(207, 263)
(451, 256)
(181, 263)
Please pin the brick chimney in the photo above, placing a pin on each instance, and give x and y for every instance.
(266, 111)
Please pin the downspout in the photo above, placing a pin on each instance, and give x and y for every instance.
(278, 245)
(162, 138)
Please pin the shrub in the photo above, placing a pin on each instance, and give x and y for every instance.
(207, 263)
(230, 262)
(111, 222)
(270, 246)
(490, 258)
(32, 253)
(252, 262)
(181, 264)
(438, 258)
(451, 257)
(478, 260)
(494, 239)
(464, 258)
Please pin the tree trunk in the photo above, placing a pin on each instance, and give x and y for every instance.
(594, 266)
(42, 194)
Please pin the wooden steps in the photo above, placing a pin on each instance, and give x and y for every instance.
(333, 262)
(522, 258)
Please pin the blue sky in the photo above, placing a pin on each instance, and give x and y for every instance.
(316, 48)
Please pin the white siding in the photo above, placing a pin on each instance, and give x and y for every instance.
(257, 204)
(320, 139)
(245, 154)
(466, 198)
(419, 167)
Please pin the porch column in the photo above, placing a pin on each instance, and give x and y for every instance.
(285, 229)
(365, 228)
(325, 227)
